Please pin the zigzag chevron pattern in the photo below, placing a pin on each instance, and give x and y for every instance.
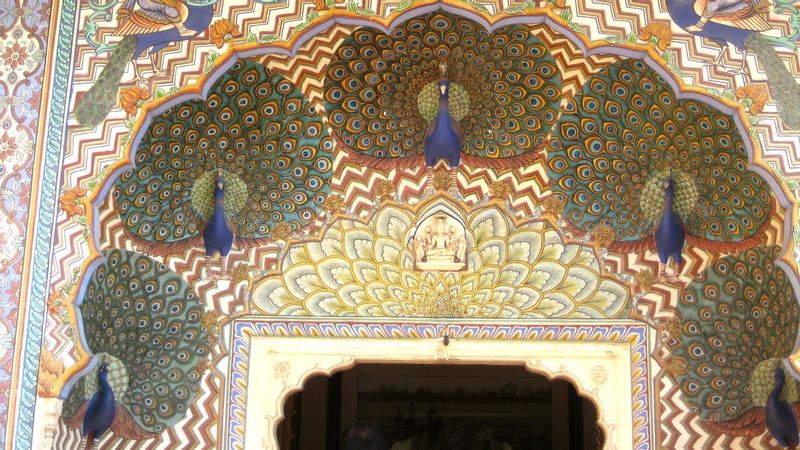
(92, 151)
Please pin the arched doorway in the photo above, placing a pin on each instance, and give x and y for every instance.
(440, 407)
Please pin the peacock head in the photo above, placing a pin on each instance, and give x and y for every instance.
(669, 185)
(102, 373)
(444, 88)
(219, 185)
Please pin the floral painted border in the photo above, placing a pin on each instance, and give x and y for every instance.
(24, 44)
(634, 335)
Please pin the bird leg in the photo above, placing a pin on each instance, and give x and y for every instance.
(698, 26)
(670, 271)
(183, 31)
(429, 190)
(156, 70)
(206, 270)
(453, 190)
(743, 68)
(718, 60)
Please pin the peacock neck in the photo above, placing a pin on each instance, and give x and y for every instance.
(102, 379)
(219, 199)
(443, 113)
(776, 391)
(668, 202)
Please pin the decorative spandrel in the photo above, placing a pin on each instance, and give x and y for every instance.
(513, 270)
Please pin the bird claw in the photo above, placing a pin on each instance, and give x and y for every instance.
(719, 64)
(739, 71)
(693, 28)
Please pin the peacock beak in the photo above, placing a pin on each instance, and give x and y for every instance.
(442, 89)
(220, 185)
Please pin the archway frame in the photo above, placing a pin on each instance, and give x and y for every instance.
(272, 358)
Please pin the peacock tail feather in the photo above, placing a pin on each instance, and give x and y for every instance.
(145, 320)
(255, 126)
(380, 89)
(738, 319)
(624, 132)
(782, 84)
(102, 96)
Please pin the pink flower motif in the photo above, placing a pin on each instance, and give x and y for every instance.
(8, 147)
(15, 55)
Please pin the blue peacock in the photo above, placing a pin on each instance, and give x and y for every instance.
(146, 30)
(144, 323)
(656, 170)
(227, 170)
(441, 87)
(737, 324)
(740, 23)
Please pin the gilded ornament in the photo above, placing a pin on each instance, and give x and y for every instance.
(554, 205)
(50, 369)
(758, 95)
(202, 366)
(673, 327)
(659, 30)
(500, 190)
(208, 320)
(384, 188)
(223, 31)
(131, 99)
(333, 203)
(70, 201)
(281, 232)
(644, 280)
(676, 366)
(55, 302)
(441, 180)
(603, 236)
(240, 273)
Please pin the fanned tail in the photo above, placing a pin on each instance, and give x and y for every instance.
(377, 162)
(750, 423)
(507, 163)
(783, 87)
(102, 96)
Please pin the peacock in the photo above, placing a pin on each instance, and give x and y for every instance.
(738, 321)
(619, 140)
(258, 133)
(740, 22)
(144, 322)
(100, 411)
(218, 233)
(779, 415)
(385, 104)
(670, 234)
(144, 31)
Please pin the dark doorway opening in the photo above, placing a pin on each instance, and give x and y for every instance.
(440, 407)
